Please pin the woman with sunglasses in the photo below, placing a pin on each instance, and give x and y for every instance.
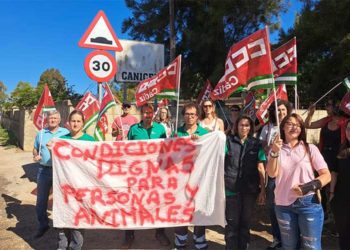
(209, 119)
(339, 191)
(292, 161)
(332, 135)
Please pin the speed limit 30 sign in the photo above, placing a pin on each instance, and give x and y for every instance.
(100, 66)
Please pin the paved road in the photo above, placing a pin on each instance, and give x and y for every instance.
(18, 218)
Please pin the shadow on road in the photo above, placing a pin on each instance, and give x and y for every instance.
(30, 171)
(26, 223)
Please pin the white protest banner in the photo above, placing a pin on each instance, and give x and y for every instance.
(139, 184)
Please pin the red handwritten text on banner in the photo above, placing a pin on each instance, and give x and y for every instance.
(139, 184)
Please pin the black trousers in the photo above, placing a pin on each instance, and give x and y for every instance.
(239, 210)
(340, 209)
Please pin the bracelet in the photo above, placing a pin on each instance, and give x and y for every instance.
(274, 154)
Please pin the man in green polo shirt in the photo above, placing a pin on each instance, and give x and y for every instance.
(194, 130)
(145, 130)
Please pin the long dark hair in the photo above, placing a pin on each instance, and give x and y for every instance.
(272, 110)
(302, 135)
(343, 154)
(251, 123)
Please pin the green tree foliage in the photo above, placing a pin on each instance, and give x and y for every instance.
(58, 86)
(56, 83)
(205, 30)
(323, 44)
(3, 95)
(24, 96)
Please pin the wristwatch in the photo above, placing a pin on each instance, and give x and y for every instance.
(274, 154)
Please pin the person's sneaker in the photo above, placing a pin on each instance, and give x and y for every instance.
(127, 243)
(40, 233)
(276, 244)
(163, 239)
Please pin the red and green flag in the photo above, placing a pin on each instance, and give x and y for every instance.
(346, 83)
(284, 63)
(45, 104)
(262, 113)
(90, 107)
(162, 85)
(102, 120)
(345, 103)
(205, 93)
(248, 64)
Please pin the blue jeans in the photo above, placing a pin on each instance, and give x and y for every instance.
(270, 203)
(304, 219)
(44, 184)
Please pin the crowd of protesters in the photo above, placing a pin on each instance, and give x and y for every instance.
(275, 166)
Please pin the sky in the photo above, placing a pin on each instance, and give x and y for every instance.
(36, 35)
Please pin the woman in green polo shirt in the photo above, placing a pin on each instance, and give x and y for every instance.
(73, 238)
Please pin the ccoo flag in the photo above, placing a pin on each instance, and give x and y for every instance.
(346, 83)
(90, 107)
(284, 63)
(45, 104)
(205, 93)
(262, 113)
(162, 85)
(248, 63)
(102, 120)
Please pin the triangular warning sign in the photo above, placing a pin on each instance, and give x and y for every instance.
(100, 35)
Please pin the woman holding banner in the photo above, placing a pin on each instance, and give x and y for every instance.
(292, 161)
(339, 191)
(244, 182)
(209, 119)
(73, 238)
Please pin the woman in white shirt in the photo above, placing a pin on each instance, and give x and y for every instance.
(209, 119)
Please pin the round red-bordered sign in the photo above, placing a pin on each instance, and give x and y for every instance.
(100, 66)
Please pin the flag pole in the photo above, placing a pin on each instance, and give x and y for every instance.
(273, 83)
(178, 95)
(296, 97)
(41, 132)
(319, 99)
(222, 110)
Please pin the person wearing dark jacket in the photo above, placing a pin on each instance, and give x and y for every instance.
(244, 182)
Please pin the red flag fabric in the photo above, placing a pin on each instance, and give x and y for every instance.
(284, 62)
(102, 124)
(248, 63)
(249, 105)
(345, 103)
(262, 113)
(45, 104)
(163, 103)
(163, 84)
(90, 107)
(205, 93)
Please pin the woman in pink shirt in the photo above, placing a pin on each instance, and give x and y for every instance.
(293, 162)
